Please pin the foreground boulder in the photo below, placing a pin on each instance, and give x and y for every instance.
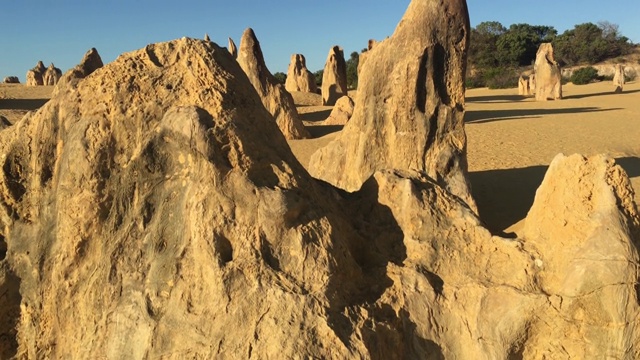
(166, 217)
(409, 109)
(35, 75)
(334, 77)
(618, 78)
(11, 80)
(299, 78)
(51, 75)
(341, 112)
(272, 93)
(548, 75)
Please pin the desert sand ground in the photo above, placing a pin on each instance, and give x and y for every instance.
(511, 139)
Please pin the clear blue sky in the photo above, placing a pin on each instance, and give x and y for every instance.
(62, 31)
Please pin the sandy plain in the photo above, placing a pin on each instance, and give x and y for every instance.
(511, 139)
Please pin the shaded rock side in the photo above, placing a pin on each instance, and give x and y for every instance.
(618, 78)
(548, 77)
(410, 105)
(11, 80)
(51, 75)
(341, 112)
(523, 86)
(233, 50)
(334, 77)
(35, 75)
(272, 93)
(299, 78)
(91, 61)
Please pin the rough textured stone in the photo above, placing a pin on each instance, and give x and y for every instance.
(523, 86)
(91, 61)
(4, 123)
(532, 84)
(160, 214)
(272, 93)
(409, 109)
(233, 50)
(363, 56)
(206, 37)
(51, 75)
(334, 77)
(299, 78)
(548, 74)
(618, 78)
(35, 76)
(341, 112)
(11, 80)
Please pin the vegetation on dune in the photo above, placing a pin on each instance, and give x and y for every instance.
(584, 75)
(496, 52)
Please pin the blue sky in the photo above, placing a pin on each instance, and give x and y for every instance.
(62, 31)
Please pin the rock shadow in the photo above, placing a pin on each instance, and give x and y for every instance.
(22, 104)
(315, 116)
(322, 130)
(631, 166)
(612, 92)
(496, 98)
(505, 196)
(483, 116)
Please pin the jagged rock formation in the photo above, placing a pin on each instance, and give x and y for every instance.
(233, 50)
(35, 75)
(523, 86)
(363, 56)
(341, 112)
(91, 61)
(51, 75)
(299, 78)
(618, 78)
(11, 80)
(548, 74)
(206, 37)
(275, 98)
(334, 77)
(161, 214)
(409, 109)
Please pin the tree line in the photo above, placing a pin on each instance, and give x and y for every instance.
(496, 52)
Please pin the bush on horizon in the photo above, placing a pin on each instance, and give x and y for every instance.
(584, 75)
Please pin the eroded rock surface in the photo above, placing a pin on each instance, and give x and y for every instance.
(334, 77)
(410, 104)
(341, 112)
(233, 50)
(91, 61)
(548, 77)
(35, 75)
(272, 93)
(51, 75)
(618, 78)
(11, 80)
(299, 78)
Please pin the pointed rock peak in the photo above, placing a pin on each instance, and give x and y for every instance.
(206, 37)
(40, 67)
(233, 49)
(90, 62)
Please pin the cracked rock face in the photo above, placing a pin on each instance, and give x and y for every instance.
(154, 210)
(409, 110)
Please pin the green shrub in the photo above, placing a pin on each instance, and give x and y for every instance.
(584, 75)
(500, 78)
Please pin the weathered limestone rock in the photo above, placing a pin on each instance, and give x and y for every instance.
(272, 93)
(523, 86)
(585, 231)
(334, 77)
(11, 80)
(161, 214)
(233, 50)
(206, 37)
(299, 78)
(51, 75)
(35, 76)
(91, 61)
(409, 109)
(548, 74)
(618, 78)
(4, 123)
(532, 84)
(363, 56)
(341, 112)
